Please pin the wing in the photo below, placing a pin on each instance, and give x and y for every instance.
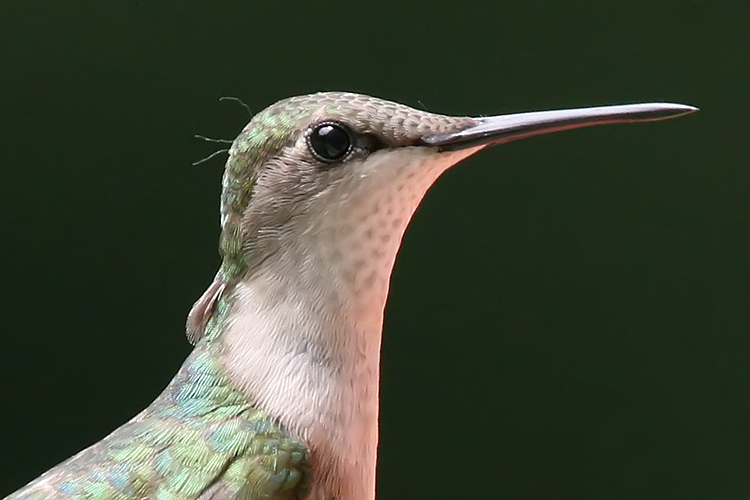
(199, 441)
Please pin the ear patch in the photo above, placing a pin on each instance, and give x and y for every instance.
(202, 310)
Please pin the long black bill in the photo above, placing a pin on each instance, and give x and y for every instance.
(506, 128)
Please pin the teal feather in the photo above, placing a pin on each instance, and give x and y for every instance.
(200, 439)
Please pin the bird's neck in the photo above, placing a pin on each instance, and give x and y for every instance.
(303, 330)
(303, 340)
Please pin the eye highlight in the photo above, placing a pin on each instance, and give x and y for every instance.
(329, 141)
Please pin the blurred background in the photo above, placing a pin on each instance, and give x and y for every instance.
(569, 315)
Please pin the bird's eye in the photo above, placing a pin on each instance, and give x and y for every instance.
(329, 141)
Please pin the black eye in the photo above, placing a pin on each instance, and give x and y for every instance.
(330, 141)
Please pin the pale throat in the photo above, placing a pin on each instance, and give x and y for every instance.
(304, 332)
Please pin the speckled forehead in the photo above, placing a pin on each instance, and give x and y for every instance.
(281, 123)
(395, 124)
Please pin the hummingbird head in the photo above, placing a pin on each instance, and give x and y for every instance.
(334, 178)
(311, 163)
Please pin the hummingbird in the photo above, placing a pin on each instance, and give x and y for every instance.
(278, 399)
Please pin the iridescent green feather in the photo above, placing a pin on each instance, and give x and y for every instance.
(200, 439)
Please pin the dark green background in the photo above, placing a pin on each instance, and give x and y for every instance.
(569, 316)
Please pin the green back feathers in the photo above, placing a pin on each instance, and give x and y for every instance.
(200, 438)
